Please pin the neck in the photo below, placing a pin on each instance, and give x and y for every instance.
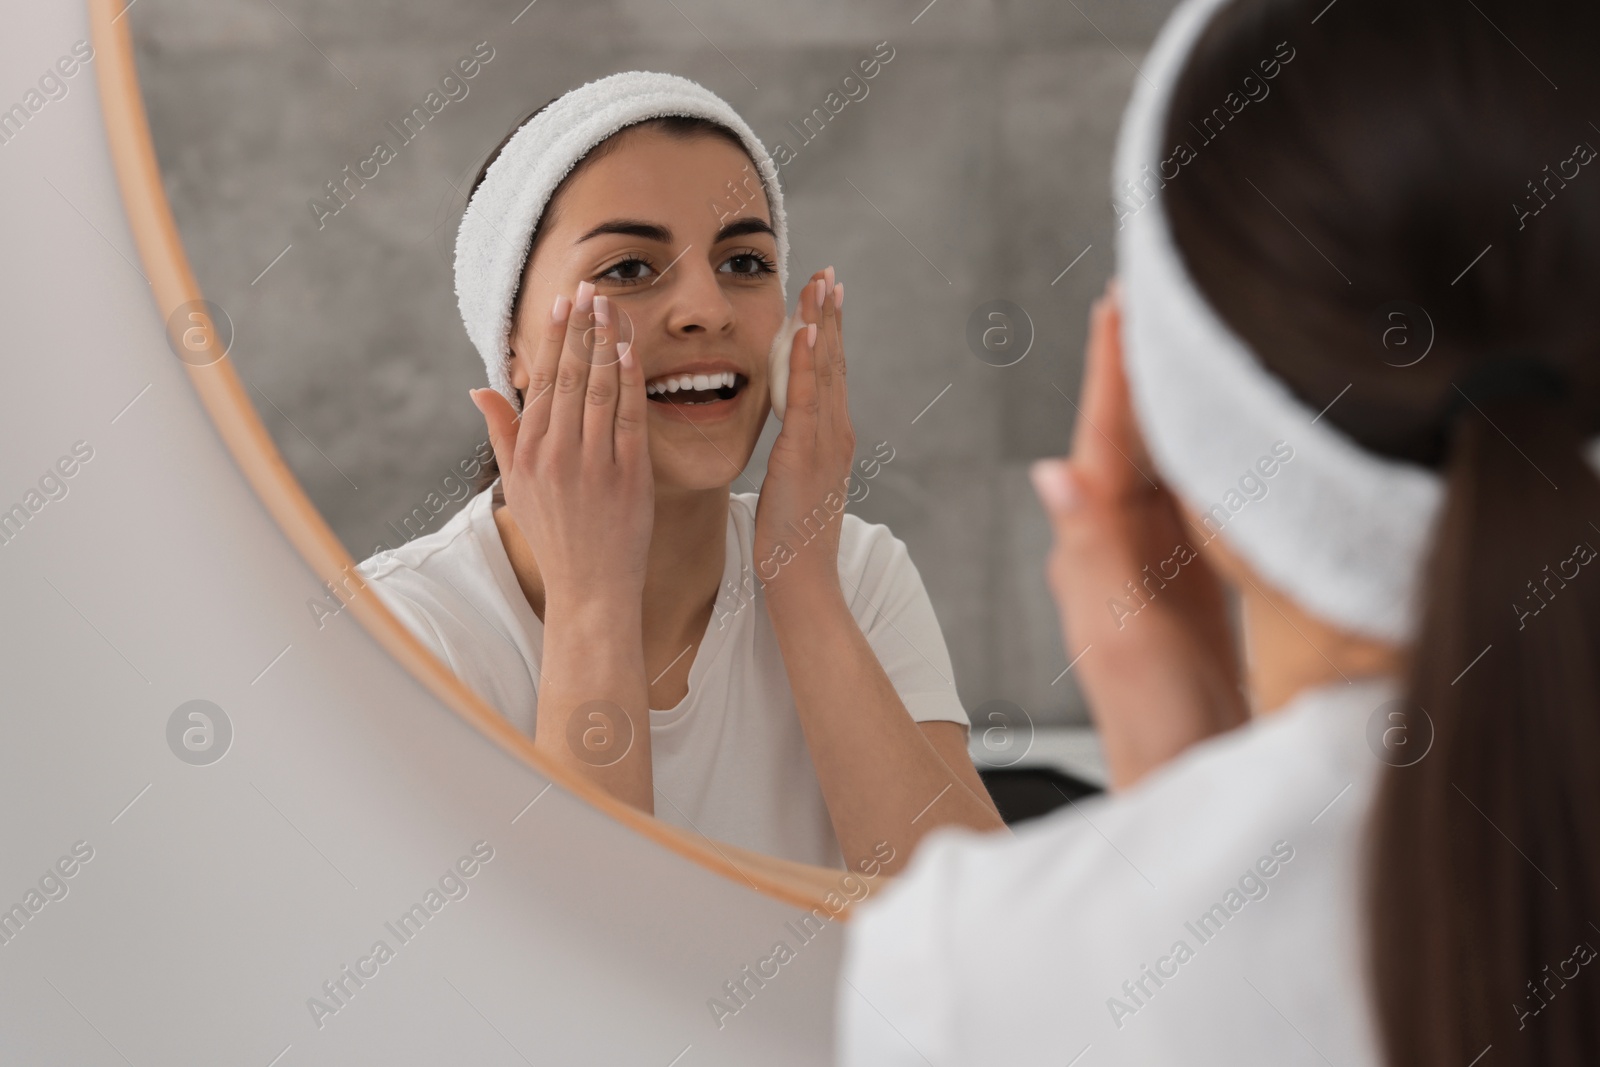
(684, 570)
(1288, 651)
(688, 544)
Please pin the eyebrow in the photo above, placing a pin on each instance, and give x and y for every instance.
(741, 227)
(651, 231)
(631, 228)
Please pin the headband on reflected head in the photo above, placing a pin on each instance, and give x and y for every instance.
(497, 230)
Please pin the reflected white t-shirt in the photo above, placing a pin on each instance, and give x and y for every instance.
(995, 950)
(730, 760)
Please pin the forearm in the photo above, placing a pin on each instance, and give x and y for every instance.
(880, 777)
(594, 705)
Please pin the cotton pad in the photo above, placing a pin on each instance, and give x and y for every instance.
(778, 361)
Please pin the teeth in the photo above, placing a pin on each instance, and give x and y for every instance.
(663, 386)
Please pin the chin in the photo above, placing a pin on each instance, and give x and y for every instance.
(693, 478)
(706, 446)
(704, 463)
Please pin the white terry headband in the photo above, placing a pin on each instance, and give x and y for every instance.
(1342, 531)
(496, 231)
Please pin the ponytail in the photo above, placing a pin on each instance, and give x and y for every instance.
(1484, 876)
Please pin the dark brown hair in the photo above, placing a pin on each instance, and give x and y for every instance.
(1411, 152)
(683, 127)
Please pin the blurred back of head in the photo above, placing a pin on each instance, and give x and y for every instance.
(1404, 142)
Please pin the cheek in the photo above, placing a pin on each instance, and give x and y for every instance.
(762, 313)
(541, 281)
(527, 329)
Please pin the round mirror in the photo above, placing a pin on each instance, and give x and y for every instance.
(317, 162)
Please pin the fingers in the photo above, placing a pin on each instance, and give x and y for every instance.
(1061, 496)
(537, 397)
(819, 306)
(834, 295)
(1096, 549)
(810, 304)
(802, 396)
(633, 412)
(501, 420)
(572, 369)
(833, 325)
(800, 412)
(1057, 488)
(816, 399)
(579, 388)
(600, 396)
(1107, 448)
(835, 405)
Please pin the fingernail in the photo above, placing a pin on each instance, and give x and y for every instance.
(822, 291)
(585, 299)
(838, 297)
(625, 354)
(563, 306)
(811, 335)
(602, 311)
(1054, 484)
(828, 274)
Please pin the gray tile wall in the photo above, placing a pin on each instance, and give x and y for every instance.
(986, 141)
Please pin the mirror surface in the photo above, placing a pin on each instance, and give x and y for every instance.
(961, 192)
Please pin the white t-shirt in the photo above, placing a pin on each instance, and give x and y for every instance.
(1015, 951)
(730, 760)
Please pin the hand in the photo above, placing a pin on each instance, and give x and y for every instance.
(575, 467)
(803, 497)
(1161, 670)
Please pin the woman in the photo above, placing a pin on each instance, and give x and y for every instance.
(1397, 860)
(759, 668)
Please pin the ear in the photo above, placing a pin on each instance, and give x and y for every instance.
(517, 367)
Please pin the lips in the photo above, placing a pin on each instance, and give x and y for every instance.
(689, 390)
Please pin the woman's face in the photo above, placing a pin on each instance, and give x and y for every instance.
(677, 233)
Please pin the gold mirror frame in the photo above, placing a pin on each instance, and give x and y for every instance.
(172, 284)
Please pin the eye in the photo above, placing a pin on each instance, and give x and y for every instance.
(748, 264)
(632, 269)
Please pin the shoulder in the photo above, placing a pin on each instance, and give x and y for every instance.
(1274, 808)
(427, 557)
(1206, 811)
(884, 587)
(870, 547)
(424, 579)
(454, 589)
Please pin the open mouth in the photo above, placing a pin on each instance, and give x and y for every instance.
(693, 389)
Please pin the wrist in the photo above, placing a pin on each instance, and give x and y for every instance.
(797, 595)
(598, 612)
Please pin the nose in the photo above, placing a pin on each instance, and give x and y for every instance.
(698, 304)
